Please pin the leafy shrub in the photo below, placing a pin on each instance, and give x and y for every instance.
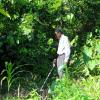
(86, 62)
(33, 95)
(26, 26)
(66, 89)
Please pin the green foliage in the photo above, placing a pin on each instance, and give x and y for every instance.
(66, 89)
(11, 72)
(50, 41)
(4, 12)
(33, 95)
(10, 40)
(27, 32)
(87, 61)
(91, 54)
(11, 98)
(53, 6)
(26, 25)
(9, 77)
(91, 86)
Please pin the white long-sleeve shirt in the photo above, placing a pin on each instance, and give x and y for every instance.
(64, 47)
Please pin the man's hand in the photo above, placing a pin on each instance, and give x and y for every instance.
(65, 60)
(54, 62)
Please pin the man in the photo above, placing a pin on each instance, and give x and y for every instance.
(63, 51)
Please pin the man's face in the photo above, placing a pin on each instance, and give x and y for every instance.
(58, 35)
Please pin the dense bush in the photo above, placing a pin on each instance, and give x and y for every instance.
(66, 89)
(27, 36)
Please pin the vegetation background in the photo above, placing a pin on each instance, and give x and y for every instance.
(28, 46)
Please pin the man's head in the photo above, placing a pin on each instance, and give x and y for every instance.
(58, 33)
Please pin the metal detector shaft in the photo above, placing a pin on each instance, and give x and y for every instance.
(47, 78)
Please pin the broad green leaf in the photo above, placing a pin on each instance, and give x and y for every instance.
(50, 41)
(5, 13)
(53, 50)
(70, 16)
(87, 51)
(91, 64)
(74, 40)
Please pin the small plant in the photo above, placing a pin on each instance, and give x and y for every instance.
(8, 70)
(9, 74)
(33, 95)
